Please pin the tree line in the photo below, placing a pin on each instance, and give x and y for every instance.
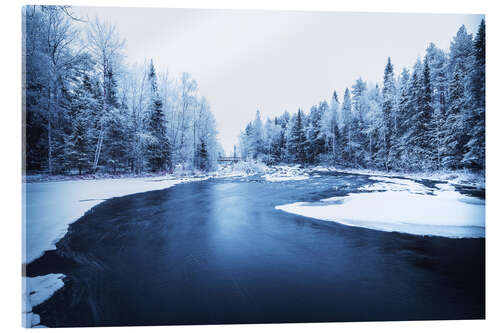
(429, 118)
(85, 110)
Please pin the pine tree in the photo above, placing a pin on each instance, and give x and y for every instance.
(388, 100)
(330, 130)
(116, 155)
(359, 111)
(116, 149)
(276, 136)
(258, 136)
(203, 156)
(316, 141)
(298, 140)
(346, 140)
(159, 145)
(422, 120)
(372, 130)
(454, 138)
(475, 149)
(438, 63)
(77, 150)
(403, 120)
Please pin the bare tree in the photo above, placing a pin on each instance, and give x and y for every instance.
(59, 38)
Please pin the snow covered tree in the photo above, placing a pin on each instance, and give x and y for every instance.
(105, 45)
(388, 100)
(330, 130)
(77, 152)
(475, 148)
(346, 130)
(159, 145)
(316, 141)
(117, 148)
(454, 138)
(437, 61)
(422, 138)
(359, 112)
(257, 140)
(297, 142)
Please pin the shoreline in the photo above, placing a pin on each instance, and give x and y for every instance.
(457, 177)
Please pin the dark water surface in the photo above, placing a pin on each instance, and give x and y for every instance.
(218, 251)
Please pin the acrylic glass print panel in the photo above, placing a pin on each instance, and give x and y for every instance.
(224, 167)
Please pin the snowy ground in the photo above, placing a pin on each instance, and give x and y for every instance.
(39, 289)
(286, 173)
(402, 205)
(48, 209)
(458, 177)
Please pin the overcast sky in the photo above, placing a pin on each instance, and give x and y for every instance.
(275, 60)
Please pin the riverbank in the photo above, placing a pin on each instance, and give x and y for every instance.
(274, 173)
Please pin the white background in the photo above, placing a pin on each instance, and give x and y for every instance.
(10, 157)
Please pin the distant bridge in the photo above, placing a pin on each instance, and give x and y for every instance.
(229, 159)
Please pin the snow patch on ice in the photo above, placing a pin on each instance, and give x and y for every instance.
(320, 168)
(396, 184)
(36, 290)
(456, 177)
(403, 206)
(283, 173)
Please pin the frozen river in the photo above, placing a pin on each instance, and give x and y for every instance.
(218, 251)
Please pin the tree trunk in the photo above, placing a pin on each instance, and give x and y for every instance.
(98, 148)
(49, 118)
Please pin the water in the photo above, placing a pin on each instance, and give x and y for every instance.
(218, 251)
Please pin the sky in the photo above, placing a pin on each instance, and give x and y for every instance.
(248, 60)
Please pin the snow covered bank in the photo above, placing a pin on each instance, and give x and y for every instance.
(48, 209)
(458, 177)
(282, 173)
(51, 206)
(275, 173)
(37, 290)
(402, 206)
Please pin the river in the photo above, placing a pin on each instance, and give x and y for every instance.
(217, 251)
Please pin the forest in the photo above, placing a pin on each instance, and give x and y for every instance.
(429, 118)
(86, 110)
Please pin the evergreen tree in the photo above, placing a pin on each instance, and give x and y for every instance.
(316, 141)
(422, 120)
(159, 145)
(402, 118)
(475, 149)
(116, 148)
(298, 140)
(116, 154)
(203, 156)
(330, 130)
(346, 140)
(77, 152)
(438, 62)
(454, 138)
(359, 111)
(387, 131)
